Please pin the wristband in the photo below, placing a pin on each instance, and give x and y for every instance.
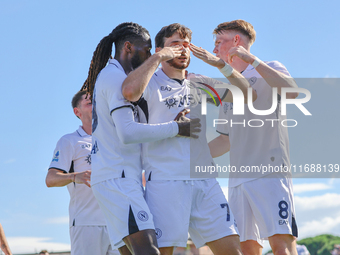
(227, 70)
(256, 62)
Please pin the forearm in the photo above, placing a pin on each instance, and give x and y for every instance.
(136, 82)
(130, 131)
(56, 178)
(5, 248)
(242, 83)
(3, 242)
(219, 146)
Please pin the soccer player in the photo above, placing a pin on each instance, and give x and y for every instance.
(71, 166)
(261, 202)
(116, 163)
(178, 202)
(3, 242)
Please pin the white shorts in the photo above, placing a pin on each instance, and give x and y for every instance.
(196, 206)
(124, 207)
(263, 207)
(89, 240)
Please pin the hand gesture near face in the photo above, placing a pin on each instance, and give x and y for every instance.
(206, 56)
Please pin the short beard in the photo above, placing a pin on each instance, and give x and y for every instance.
(136, 61)
(178, 66)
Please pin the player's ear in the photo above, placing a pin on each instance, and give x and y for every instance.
(236, 40)
(158, 49)
(127, 47)
(76, 112)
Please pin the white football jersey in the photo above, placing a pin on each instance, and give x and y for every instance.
(72, 154)
(110, 157)
(176, 158)
(252, 148)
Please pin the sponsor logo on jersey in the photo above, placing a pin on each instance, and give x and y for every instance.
(166, 88)
(283, 222)
(56, 157)
(158, 233)
(143, 216)
(84, 146)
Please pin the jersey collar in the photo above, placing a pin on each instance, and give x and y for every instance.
(160, 73)
(117, 64)
(81, 132)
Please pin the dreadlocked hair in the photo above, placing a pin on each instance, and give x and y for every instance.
(127, 31)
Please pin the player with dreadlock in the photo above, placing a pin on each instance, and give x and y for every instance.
(116, 162)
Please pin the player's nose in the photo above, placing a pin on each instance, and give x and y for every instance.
(215, 50)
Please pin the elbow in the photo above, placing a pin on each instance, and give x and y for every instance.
(292, 95)
(48, 183)
(253, 96)
(126, 139)
(129, 94)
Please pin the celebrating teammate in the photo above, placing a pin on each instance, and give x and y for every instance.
(263, 207)
(71, 166)
(178, 202)
(116, 163)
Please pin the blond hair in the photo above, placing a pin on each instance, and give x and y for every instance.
(241, 26)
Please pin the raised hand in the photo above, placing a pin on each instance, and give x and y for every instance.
(187, 127)
(242, 53)
(168, 53)
(206, 56)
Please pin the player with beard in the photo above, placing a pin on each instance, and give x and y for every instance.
(116, 178)
(178, 202)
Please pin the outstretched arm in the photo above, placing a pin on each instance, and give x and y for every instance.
(57, 178)
(274, 78)
(234, 77)
(137, 80)
(219, 146)
(130, 131)
(3, 242)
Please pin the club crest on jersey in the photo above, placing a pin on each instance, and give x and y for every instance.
(252, 80)
(227, 106)
(143, 216)
(171, 102)
(56, 157)
(88, 159)
(158, 233)
(166, 88)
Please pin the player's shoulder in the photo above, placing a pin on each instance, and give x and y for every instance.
(68, 137)
(278, 66)
(111, 76)
(71, 139)
(274, 63)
